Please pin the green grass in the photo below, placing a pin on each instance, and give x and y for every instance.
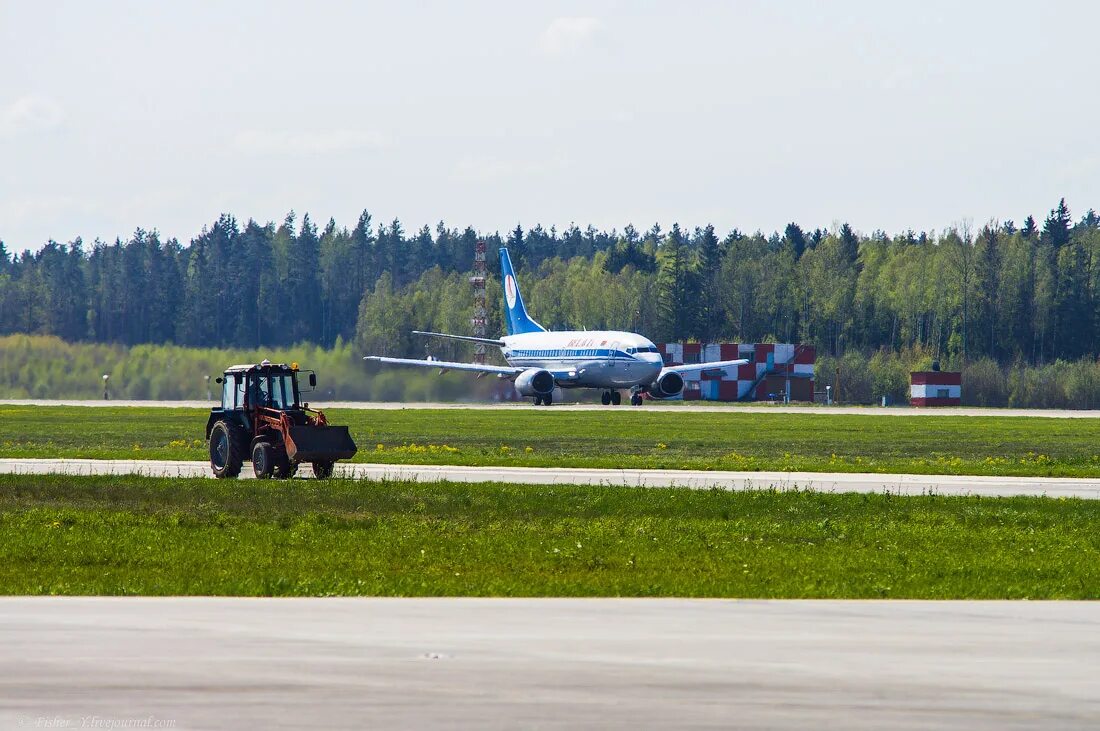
(147, 536)
(681, 439)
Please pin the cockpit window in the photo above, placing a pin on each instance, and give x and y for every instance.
(647, 349)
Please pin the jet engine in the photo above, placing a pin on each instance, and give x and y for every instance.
(537, 382)
(669, 384)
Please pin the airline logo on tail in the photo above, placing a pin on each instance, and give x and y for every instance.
(515, 314)
(510, 289)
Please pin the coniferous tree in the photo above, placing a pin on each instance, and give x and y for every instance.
(794, 238)
(1029, 228)
(988, 287)
(849, 244)
(1057, 225)
(710, 261)
(517, 247)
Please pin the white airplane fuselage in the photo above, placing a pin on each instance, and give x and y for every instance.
(606, 359)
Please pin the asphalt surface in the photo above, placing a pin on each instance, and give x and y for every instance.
(650, 406)
(698, 479)
(214, 663)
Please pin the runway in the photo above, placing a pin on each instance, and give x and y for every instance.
(215, 663)
(698, 479)
(694, 406)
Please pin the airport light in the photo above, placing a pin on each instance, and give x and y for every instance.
(106, 392)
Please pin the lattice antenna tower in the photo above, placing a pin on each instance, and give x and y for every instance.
(480, 320)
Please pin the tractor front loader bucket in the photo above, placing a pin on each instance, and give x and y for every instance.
(319, 443)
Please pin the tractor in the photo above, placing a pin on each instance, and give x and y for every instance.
(262, 418)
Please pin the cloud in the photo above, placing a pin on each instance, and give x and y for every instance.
(28, 114)
(268, 142)
(56, 209)
(566, 35)
(477, 170)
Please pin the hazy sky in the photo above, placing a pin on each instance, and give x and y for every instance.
(117, 115)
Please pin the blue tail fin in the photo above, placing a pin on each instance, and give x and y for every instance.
(515, 314)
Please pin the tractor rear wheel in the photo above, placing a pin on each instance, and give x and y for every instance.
(226, 449)
(323, 470)
(263, 460)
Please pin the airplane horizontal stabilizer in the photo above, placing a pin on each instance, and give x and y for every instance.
(468, 338)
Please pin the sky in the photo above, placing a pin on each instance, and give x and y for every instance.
(123, 115)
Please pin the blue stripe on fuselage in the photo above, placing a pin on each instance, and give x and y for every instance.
(567, 353)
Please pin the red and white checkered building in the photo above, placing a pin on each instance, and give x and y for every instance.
(935, 388)
(773, 368)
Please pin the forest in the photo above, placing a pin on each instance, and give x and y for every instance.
(997, 296)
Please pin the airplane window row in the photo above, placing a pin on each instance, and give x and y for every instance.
(562, 353)
(582, 353)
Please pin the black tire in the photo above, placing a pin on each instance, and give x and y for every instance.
(605, 398)
(616, 398)
(538, 400)
(323, 470)
(284, 468)
(263, 460)
(548, 399)
(635, 399)
(227, 448)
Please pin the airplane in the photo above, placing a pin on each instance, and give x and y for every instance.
(540, 360)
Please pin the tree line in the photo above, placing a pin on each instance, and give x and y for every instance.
(1026, 294)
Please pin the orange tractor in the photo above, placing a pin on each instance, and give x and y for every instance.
(262, 418)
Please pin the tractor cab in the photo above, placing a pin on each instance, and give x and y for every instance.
(264, 385)
(262, 415)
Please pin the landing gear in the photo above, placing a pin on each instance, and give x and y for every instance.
(605, 398)
(635, 398)
(608, 398)
(544, 400)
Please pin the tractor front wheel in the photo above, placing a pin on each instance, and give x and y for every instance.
(323, 470)
(263, 460)
(226, 449)
(284, 468)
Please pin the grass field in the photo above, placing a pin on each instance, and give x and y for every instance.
(133, 535)
(629, 438)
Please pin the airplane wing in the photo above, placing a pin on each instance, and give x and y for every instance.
(444, 365)
(694, 367)
(565, 376)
